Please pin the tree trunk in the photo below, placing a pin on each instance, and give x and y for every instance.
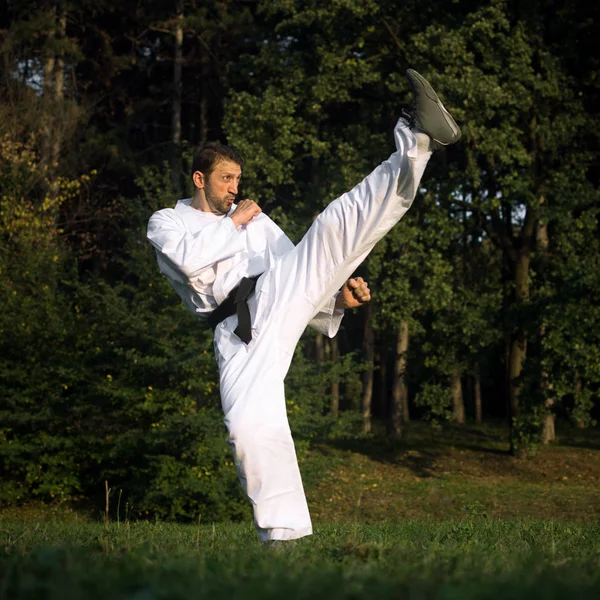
(507, 378)
(518, 349)
(478, 403)
(404, 400)
(369, 354)
(320, 356)
(59, 71)
(399, 390)
(518, 352)
(177, 98)
(383, 389)
(518, 344)
(457, 397)
(48, 89)
(204, 100)
(53, 90)
(57, 135)
(548, 431)
(319, 348)
(335, 385)
(49, 63)
(580, 423)
(542, 233)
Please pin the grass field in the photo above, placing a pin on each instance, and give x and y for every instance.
(417, 560)
(441, 515)
(453, 473)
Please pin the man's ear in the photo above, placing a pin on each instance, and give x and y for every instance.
(198, 179)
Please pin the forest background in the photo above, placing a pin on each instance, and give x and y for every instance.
(486, 296)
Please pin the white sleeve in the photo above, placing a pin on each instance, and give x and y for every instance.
(329, 318)
(279, 242)
(193, 253)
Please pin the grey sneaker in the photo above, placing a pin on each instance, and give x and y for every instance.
(429, 113)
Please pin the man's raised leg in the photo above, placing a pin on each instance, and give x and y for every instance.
(287, 298)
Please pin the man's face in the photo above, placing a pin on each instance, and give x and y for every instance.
(221, 186)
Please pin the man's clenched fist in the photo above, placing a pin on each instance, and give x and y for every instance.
(354, 293)
(244, 212)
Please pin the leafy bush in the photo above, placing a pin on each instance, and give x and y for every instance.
(436, 398)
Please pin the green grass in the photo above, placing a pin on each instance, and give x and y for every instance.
(474, 558)
(453, 473)
(444, 515)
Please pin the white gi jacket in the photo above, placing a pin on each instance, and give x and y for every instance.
(204, 257)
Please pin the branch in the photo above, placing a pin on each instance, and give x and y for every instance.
(394, 36)
(496, 233)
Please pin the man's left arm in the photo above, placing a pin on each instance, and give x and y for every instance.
(354, 293)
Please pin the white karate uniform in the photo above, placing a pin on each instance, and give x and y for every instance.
(204, 256)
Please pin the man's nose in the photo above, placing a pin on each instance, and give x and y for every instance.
(233, 188)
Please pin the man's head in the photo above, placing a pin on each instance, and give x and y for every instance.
(216, 173)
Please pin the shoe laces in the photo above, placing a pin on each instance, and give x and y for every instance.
(409, 117)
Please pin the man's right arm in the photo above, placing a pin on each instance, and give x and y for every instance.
(192, 253)
(244, 212)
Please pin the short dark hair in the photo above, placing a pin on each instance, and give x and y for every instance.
(208, 155)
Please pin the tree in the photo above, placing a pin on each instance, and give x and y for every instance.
(509, 84)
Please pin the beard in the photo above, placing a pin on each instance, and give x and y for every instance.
(218, 204)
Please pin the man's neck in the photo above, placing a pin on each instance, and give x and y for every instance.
(199, 202)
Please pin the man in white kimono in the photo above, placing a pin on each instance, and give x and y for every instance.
(235, 269)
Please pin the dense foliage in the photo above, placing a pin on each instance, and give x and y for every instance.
(486, 295)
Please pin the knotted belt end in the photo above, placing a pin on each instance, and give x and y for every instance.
(237, 302)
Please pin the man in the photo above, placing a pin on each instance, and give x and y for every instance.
(234, 268)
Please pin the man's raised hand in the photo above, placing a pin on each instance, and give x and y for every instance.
(354, 293)
(244, 212)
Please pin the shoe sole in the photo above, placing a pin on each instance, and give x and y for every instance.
(431, 94)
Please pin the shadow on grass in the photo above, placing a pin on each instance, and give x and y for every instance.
(422, 445)
(575, 437)
(420, 460)
(493, 451)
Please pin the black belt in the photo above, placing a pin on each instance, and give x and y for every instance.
(236, 302)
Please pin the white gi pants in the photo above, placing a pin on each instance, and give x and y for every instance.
(287, 297)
